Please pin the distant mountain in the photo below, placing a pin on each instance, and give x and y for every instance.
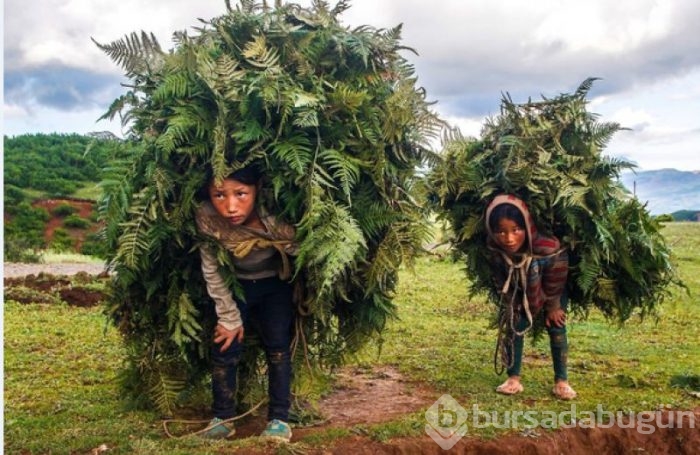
(665, 190)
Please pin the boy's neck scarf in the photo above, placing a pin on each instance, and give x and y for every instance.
(241, 240)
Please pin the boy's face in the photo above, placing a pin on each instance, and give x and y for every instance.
(510, 236)
(234, 201)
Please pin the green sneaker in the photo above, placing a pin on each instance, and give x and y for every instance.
(276, 429)
(218, 430)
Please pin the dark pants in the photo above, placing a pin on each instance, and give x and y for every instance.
(269, 311)
(557, 342)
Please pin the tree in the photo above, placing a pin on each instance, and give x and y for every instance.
(24, 233)
(334, 117)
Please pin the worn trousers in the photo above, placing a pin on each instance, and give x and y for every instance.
(558, 344)
(269, 311)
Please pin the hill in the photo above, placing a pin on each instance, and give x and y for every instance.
(665, 190)
(50, 183)
(55, 164)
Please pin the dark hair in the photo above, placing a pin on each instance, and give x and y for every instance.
(507, 211)
(249, 175)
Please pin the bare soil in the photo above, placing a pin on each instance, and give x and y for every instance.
(84, 209)
(380, 394)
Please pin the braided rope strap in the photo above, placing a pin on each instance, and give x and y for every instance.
(517, 278)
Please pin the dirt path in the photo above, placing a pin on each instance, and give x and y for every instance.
(15, 269)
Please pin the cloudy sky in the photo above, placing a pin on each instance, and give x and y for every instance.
(470, 52)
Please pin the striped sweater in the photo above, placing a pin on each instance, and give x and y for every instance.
(549, 266)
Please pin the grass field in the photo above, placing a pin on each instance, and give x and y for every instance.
(61, 362)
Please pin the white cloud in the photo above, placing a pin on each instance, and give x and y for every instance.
(636, 119)
(469, 127)
(607, 27)
(20, 120)
(470, 52)
(66, 27)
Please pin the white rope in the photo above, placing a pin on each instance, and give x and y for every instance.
(520, 270)
(208, 427)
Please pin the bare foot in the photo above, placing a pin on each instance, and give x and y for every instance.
(563, 391)
(512, 386)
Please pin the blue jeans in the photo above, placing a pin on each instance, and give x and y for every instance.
(268, 310)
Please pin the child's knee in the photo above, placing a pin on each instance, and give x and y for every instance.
(277, 357)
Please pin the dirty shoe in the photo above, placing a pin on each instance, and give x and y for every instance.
(277, 429)
(216, 429)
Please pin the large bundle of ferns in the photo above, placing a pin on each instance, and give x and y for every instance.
(334, 118)
(550, 154)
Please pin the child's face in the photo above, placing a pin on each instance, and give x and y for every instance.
(234, 201)
(510, 236)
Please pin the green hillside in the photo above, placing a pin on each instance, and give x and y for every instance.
(44, 174)
(55, 165)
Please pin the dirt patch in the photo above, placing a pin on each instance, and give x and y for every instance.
(81, 289)
(380, 394)
(17, 269)
(361, 396)
(680, 440)
(616, 440)
(84, 209)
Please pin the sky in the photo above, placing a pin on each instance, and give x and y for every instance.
(469, 54)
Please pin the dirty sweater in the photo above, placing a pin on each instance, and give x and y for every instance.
(548, 263)
(256, 255)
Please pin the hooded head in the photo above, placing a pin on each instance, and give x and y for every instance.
(507, 217)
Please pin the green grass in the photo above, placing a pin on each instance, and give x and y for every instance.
(61, 365)
(90, 191)
(53, 257)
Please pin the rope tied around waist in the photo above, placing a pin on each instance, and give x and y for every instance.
(517, 279)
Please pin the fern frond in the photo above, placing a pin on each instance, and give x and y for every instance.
(163, 390)
(258, 54)
(182, 319)
(137, 54)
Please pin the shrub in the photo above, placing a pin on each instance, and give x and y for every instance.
(13, 196)
(62, 241)
(665, 218)
(27, 226)
(18, 249)
(63, 210)
(94, 245)
(74, 221)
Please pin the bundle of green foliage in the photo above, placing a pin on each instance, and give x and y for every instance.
(334, 117)
(549, 154)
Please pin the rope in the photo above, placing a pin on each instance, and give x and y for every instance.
(242, 241)
(242, 248)
(208, 427)
(516, 277)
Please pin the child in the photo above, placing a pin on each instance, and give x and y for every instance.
(260, 245)
(530, 272)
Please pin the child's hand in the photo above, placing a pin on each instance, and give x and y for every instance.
(226, 336)
(556, 317)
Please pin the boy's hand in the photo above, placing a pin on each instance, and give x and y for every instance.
(226, 336)
(556, 317)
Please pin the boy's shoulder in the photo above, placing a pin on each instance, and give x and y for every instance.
(544, 245)
(278, 228)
